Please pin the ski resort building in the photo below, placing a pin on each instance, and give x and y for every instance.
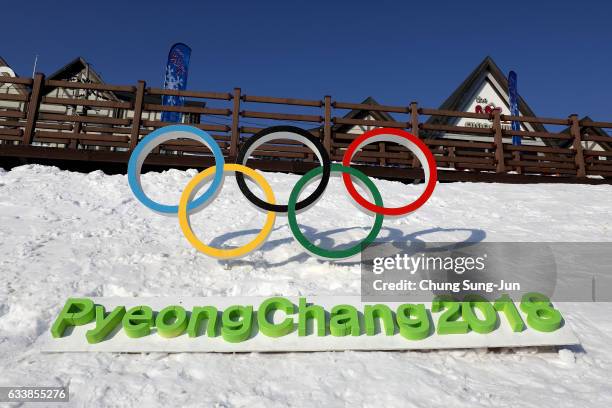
(76, 109)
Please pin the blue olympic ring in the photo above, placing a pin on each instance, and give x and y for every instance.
(162, 135)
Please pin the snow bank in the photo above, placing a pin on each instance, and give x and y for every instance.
(64, 234)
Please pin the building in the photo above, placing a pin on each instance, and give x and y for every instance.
(483, 92)
(79, 70)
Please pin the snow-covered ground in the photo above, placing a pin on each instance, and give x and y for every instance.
(68, 234)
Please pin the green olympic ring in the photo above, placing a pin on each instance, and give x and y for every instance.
(330, 253)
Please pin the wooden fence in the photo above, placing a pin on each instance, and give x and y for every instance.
(100, 124)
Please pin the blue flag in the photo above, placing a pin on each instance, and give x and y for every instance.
(514, 110)
(176, 79)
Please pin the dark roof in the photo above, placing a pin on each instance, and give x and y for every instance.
(458, 98)
(363, 113)
(3, 63)
(74, 67)
(20, 88)
(597, 131)
(79, 64)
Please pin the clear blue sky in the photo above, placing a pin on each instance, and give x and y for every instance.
(396, 51)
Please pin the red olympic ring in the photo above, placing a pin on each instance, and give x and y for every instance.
(417, 147)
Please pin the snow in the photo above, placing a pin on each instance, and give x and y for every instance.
(68, 234)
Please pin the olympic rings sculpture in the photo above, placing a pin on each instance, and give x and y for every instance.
(188, 204)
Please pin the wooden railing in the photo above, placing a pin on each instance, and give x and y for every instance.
(103, 123)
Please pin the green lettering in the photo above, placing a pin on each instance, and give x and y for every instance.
(413, 321)
(267, 309)
(138, 321)
(382, 312)
(171, 321)
(104, 325)
(237, 322)
(76, 312)
(305, 313)
(197, 315)
(344, 321)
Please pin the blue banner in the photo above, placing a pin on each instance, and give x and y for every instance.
(176, 79)
(514, 110)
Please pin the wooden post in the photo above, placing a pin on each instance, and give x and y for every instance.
(137, 119)
(235, 136)
(579, 154)
(33, 106)
(414, 128)
(499, 142)
(516, 155)
(327, 125)
(451, 156)
(381, 149)
(76, 130)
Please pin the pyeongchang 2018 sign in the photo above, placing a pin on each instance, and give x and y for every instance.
(188, 205)
(242, 324)
(249, 324)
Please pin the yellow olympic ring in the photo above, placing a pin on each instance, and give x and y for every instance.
(218, 253)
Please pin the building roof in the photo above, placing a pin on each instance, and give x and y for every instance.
(459, 97)
(456, 101)
(362, 114)
(22, 89)
(79, 64)
(3, 63)
(74, 67)
(596, 131)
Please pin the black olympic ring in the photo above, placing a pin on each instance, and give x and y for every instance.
(296, 134)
